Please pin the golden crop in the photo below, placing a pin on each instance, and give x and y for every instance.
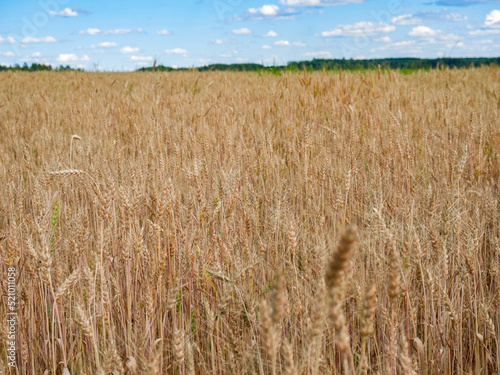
(237, 223)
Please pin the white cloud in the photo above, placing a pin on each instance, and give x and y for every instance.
(265, 10)
(241, 59)
(141, 58)
(129, 49)
(9, 40)
(119, 31)
(229, 53)
(318, 3)
(242, 31)
(71, 57)
(456, 17)
(457, 44)
(493, 18)
(177, 51)
(218, 41)
(163, 32)
(91, 31)
(271, 34)
(36, 54)
(282, 43)
(94, 31)
(431, 34)
(484, 32)
(66, 12)
(422, 31)
(395, 45)
(299, 44)
(384, 39)
(67, 57)
(266, 47)
(271, 12)
(104, 45)
(406, 19)
(8, 54)
(359, 29)
(319, 55)
(45, 39)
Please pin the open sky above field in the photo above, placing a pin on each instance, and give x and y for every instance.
(125, 35)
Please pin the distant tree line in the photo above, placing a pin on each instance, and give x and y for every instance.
(395, 63)
(403, 63)
(37, 68)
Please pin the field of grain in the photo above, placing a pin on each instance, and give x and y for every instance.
(238, 223)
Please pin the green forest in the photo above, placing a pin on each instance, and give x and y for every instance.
(37, 68)
(403, 63)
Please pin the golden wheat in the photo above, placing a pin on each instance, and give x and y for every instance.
(202, 223)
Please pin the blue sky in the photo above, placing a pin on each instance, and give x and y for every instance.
(125, 35)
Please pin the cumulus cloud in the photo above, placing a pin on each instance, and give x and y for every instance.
(104, 45)
(456, 17)
(241, 59)
(66, 12)
(359, 29)
(319, 55)
(242, 31)
(229, 53)
(299, 44)
(177, 51)
(141, 58)
(8, 54)
(457, 44)
(422, 31)
(270, 12)
(91, 31)
(94, 31)
(218, 41)
(129, 49)
(163, 32)
(9, 40)
(406, 19)
(396, 46)
(45, 39)
(430, 34)
(266, 46)
(318, 3)
(492, 19)
(484, 32)
(282, 43)
(119, 31)
(463, 3)
(384, 39)
(71, 57)
(36, 54)
(67, 57)
(271, 34)
(265, 10)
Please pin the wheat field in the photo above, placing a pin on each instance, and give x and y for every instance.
(244, 223)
